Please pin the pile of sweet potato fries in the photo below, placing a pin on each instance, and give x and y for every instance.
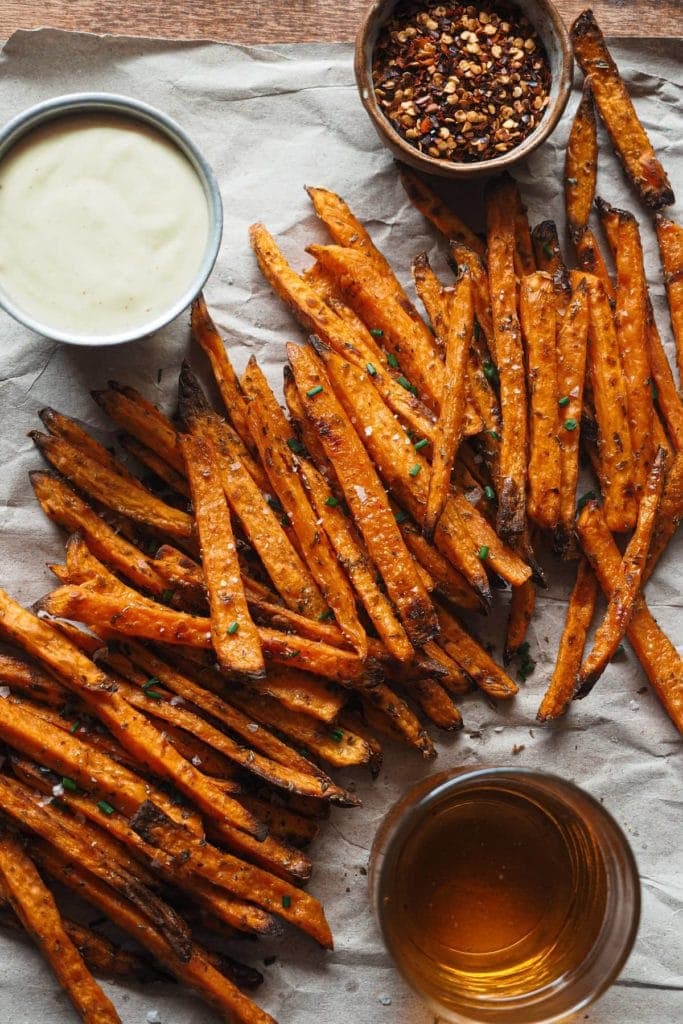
(279, 589)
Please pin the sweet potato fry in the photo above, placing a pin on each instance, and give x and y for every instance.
(622, 599)
(435, 703)
(63, 426)
(206, 335)
(581, 164)
(525, 261)
(591, 260)
(234, 637)
(447, 580)
(142, 419)
(34, 904)
(155, 464)
(282, 822)
(373, 297)
(537, 313)
(113, 491)
(444, 220)
(473, 659)
(317, 317)
(626, 132)
(221, 869)
(572, 344)
(522, 604)
(658, 656)
(669, 513)
(452, 677)
(364, 495)
(549, 258)
(461, 257)
(448, 434)
(198, 973)
(669, 403)
(670, 238)
(580, 611)
(611, 409)
(271, 432)
(305, 432)
(501, 202)
(509, 565)
(386, 712)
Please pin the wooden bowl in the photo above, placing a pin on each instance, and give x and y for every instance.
(548, 23)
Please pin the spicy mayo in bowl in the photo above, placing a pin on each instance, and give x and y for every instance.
(111, 219)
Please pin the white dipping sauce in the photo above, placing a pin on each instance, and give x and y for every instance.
(103, 224)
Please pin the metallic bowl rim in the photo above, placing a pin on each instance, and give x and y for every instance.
(435, 166)
(127, 106)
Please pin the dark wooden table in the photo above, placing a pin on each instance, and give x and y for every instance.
(253, 21)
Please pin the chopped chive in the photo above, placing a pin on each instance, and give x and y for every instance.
(284, 520)
(570, 424)
(563, 401)
(401, 516)
(483, 552)
(233, 627)
(419, 445)
(654, 389)
(548, 250)
(377, 332)
(523, 649)
(494, 434)
(105, 807)
(371, 369)
(490, 371)
(152, 681)
(489, 493)
(314, 391)
(405, 383)
(286, 902)
(295, 445)
(392, 360)
(337, 735)
(414, 470)
(153, 694)
(69, 785)
(167, 596)
(584, 499)
(477, 330)
(74, 727)
(331, 501)
(326, 616)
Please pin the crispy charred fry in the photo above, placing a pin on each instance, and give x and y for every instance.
(537, 311)
(234, 637)
(386, 712)
(221, 869)
(155, 464)
(669, 513)
(626, 132)
(668, 401)
(364, 495)
(138, 417)
(581, 164)
(373, 297)
(525, 261)
(271, 433)
(501, 203)
(572, 344)
(473, 659)
(282, 822)
(549, 258)
(579, 616)
(198, 972)
(316, 316)
(355, 559)
(611, 410)
(448, 581)
(63, 426)
(658, 656)
(444, 220)
(509, 565)
(591, 260)
(670, 238)
(206, 335)
(451, 676)
(35, 906)
(436, 704)
(113, 491)
(306, 433)
(522, 604)
(458, 332)
(463, 257)
(622, 600)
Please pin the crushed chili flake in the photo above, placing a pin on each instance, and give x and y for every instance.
(461, 82)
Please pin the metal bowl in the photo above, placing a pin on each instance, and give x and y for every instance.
(133, 109)
(547, 21)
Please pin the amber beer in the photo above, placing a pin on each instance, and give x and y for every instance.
(504, 895)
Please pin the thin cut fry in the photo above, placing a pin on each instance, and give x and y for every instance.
(34, 904)
(388, 713)
(63, 426)
(155, 464)
(626, 132)
(591, 260)
(436, 704)
(658, 656)
(669, 403)
(473, 659)
(364, 495)
(549, 258)
(581, 164)
(572, 345)
(580, 611)
(502, 559)
(622, 600)
(448, 581)
(138, 417)
(510, 357)
(611, 409)
(670, 238)
(669, 513)
(463, 257)
(525, 261)
(448, 434)
(444, 220)
(537, 312)
(233, 634)
(522, 604)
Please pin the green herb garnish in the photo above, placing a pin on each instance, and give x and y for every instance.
(69, 785)
(371, 369)
(392, 360)
(483, 552)
(314, 391)
(563, 401)
(489, 493)
(419, 445)
(105, 807)
(233, 627)
(570, 424)
(376, 332)
(414, 470)
(331, 501)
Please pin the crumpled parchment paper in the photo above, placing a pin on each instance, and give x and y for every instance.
(271, 119)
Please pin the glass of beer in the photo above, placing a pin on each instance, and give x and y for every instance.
(504, 895)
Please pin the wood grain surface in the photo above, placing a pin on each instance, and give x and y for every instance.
(267, 21)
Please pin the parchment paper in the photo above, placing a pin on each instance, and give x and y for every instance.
(271, 119)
